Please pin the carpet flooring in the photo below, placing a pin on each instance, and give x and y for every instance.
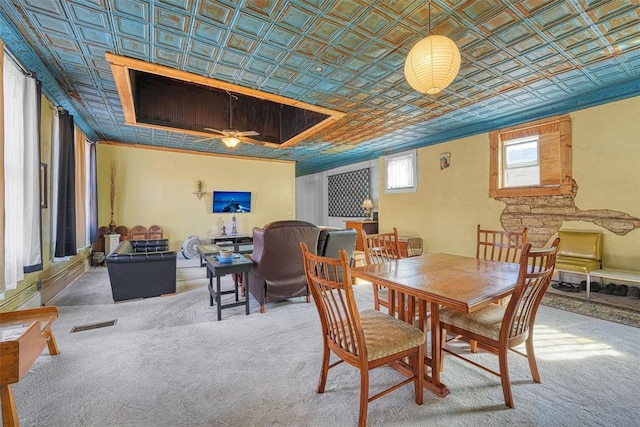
(167, 361)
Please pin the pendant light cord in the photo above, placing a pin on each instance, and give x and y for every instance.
(429, 5)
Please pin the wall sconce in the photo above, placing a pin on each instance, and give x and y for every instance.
(367, 205)
(199, 187)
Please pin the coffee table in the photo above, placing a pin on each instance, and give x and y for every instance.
(214, 249)
(217, 269)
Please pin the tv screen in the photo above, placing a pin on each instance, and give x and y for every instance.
(231, 201)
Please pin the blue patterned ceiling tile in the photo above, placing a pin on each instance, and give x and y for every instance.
(521, 74)
(202, 49)
(625, 34)
(134, 8)
(132, 28)
(325, 30)
(348, 9)
(479, 49)
(55, 24)
(280, 36)
(169, 39)
(541, 53)
(374, 21)
(567, 27)
(252, 79)
(333, 56)
(198, 65)
(168, 57)
(499, 21)
(295, 61)
(65, 43)
(182, 4)
(94, 16)
(273, 85)
(171, 19)
(250, 24)
(264, 7)
(216, 11)
(606, 10)
(592, 56)
(479, 11)
(269, 52)
(375, 51)
(241, 43)
(261, 66)
(208, 33)
(96, 37)
(577, 38)
(134, 48)
(286, 74)
(553, 15)
(233, 58)
(528, 44)
(513, 33)
(295, 18)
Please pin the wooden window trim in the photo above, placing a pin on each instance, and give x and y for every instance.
(561, 165)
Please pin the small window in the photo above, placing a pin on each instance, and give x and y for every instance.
(531, 159)
(402, 172)
(521, 165)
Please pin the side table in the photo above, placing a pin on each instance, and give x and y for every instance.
(218, 269)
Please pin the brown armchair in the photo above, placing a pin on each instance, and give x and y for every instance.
(278, 269)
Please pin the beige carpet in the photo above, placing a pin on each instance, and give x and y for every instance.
(168, 362)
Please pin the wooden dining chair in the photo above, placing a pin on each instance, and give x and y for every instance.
(138, 232)
(155, 232)
(123, 231)
(378, 249)
(365, 340)
(500, 245)
(498, 328)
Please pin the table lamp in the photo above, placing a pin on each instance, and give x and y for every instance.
(367, 205)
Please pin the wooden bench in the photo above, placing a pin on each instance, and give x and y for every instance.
(23, 336)
(579, 252)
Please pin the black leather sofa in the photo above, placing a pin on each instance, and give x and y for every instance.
(142, 269)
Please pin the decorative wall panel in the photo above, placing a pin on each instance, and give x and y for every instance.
(347, 191)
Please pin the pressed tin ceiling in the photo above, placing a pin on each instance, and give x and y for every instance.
(521, 60)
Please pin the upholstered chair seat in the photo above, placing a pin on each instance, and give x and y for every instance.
(486, 321)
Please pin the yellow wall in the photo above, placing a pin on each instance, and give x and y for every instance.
(450, 203)
(156, 187)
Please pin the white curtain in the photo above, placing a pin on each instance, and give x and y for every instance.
(21, 174)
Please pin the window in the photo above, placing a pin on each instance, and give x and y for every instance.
(401, 172)
(533, 159)
(521, 162)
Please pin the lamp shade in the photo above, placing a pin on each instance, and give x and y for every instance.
(230, 141)
(367, 204)
(432, 64)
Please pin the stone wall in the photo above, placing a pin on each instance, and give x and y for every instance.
(544, 215)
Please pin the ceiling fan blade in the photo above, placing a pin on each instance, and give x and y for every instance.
(216, 131)
(248, 133)
(205, 139)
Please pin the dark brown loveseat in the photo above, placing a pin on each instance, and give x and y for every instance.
(278, 268)
(142, 269)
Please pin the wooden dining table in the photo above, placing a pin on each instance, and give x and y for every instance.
(440, 280)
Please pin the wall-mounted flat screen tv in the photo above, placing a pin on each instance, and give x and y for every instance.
(231, 201)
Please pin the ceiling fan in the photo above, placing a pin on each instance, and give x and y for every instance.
(231, 137)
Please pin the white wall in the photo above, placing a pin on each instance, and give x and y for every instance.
(312, 194)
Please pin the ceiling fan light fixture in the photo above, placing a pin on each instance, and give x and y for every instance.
(230, 141)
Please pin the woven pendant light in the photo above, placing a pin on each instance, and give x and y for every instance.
(432, 63)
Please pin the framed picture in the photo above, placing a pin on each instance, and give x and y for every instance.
(445, 160)
(44, 186)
